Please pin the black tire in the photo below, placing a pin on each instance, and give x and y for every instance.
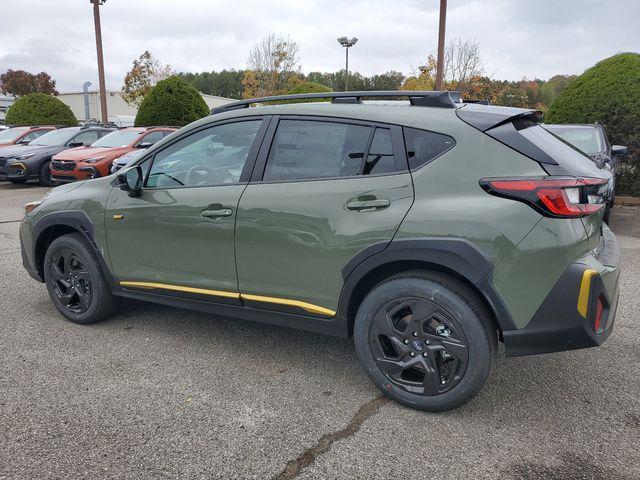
(455, 339)
(75, 281)
(18, 181)
(44, 174)
(607, 213)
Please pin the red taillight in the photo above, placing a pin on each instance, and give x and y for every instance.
(599, 310)
(552, 196)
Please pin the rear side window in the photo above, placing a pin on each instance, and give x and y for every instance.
(305, 149)
(380, 159)
(152, 137)
(423, 146)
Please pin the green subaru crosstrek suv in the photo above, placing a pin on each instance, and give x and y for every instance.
(427, 229)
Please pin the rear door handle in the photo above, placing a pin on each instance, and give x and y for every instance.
(217, 213)
(368, 205)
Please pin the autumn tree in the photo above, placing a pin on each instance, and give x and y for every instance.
(145, 73)
(424, 78)
(272, 67)
(463, 61)
(19, 83)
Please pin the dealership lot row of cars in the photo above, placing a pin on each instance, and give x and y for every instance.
(53, 155)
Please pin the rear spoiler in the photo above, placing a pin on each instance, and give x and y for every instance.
(503, 124)
(488, 117)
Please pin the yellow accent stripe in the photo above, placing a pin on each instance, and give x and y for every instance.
(585, 288)
(176, 288)
(309, 307)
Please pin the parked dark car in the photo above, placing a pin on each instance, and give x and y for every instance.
(592, 140)
(20, 163)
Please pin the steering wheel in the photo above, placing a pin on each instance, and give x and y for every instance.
(195, 177)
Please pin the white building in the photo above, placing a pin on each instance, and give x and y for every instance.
(5, 103)
(119, 111)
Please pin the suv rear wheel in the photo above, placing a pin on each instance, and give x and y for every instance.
(75, 281)
(426, 340)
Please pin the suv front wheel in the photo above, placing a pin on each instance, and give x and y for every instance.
(426, 340)
(75, 281)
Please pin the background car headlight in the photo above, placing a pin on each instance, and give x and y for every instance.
(94, 159)
(22, 157)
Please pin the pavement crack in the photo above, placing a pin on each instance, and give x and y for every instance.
(309, 456)
(9, 221)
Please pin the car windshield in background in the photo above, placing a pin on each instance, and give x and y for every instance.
(11, 134)
(587, 139)
(55, 137)
(120, 138)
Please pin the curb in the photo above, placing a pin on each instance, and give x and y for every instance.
(625, 200)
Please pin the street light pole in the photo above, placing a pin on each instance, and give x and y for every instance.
(103, 90)
(347, 43)
(441, 39)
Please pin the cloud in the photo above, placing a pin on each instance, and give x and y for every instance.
(518, 38)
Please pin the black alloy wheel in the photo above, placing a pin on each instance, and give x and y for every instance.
(418, 346)
(71, 281)
(426, 340)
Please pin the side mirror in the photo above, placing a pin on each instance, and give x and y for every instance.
(76, 144)
(131, 181)
(144, 145)
(618, 150)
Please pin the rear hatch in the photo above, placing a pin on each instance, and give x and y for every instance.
(520, 130)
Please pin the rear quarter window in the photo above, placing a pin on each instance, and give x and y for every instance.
(424, 146)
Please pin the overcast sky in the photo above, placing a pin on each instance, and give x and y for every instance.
(518, 38)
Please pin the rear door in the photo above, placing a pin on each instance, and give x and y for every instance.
(178, 235)
(322, 191)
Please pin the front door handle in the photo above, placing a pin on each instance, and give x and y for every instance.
(216, 213)
(368, 205)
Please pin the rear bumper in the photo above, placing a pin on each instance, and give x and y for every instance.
(567, 319)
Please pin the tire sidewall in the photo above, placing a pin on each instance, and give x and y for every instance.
(475, 332)
(44, 174)
(97, 282)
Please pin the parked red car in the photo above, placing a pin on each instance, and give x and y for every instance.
(94, 161)
(22, 135)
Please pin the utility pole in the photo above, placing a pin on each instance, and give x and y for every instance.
(347, 43)
(441, 40)
(103, 89)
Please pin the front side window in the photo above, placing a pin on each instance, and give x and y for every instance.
(33, 135)
(305, 149)
(86, 138)
(213, 156)
(424, 146)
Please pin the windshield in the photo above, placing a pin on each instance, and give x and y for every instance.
(11, 134)
(586, 139)
(54, 137)
(121, 138)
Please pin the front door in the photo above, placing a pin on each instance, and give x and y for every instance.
(330, 189)
(178, 236)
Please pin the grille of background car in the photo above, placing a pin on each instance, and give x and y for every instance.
(3, 161)
(62, 165)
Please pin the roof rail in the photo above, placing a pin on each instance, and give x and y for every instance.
(160, 126)
(439, 99)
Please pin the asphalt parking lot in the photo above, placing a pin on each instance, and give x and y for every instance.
(158, 392)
